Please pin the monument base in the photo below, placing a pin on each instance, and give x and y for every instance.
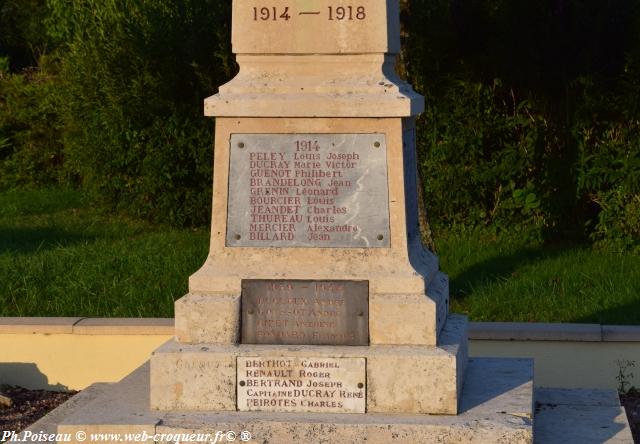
(398, 378)
(496, 406)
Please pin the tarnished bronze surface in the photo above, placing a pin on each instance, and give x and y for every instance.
(305, 312)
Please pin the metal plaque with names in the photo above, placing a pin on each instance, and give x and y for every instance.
(308, 190)
(295, 312)
(301, 384)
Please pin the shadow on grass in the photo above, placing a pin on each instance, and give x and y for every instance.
(37, 202)
(500, 268)
(28, 240)
(624, 314)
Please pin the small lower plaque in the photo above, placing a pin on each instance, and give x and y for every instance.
(301, 384)
(293, 312)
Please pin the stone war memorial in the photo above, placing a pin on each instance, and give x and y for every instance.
(318, 316)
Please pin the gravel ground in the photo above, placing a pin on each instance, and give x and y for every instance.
(631, 402)
(28, 406)
(31, 405)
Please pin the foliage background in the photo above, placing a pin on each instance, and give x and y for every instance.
(532, 122)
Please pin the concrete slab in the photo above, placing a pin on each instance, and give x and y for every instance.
(501, 414)
(10, 325)
(499, 385)
(516, 331)
(580, 416)
(621, 333)
(123, 408)
(124, 326)
(577, 397)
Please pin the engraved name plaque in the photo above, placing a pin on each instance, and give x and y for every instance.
(305, 312)
(308, 190)
(301, 384)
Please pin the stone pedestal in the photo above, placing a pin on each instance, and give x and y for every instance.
(318, 308)
(399, 378)
(319, 316)
(314, 78)
(496, 407)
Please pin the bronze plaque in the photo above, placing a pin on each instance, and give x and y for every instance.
(301, 384)
(305, 312)
(308, 191)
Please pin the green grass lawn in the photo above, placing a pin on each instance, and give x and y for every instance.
(503, 279)
(60, 257)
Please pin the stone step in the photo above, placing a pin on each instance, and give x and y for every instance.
(496, 406)
(579, 416)
(491, 404)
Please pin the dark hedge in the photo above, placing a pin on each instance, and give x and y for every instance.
(531, 123)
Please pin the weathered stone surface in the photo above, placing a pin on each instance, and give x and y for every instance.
(297, 384)
(118, 408)
(308, 190)
(510, 386)
(400, 378)
(580, 416)
(536, 331)
(22, 325)
(621, 333)
(484, 418)
(311, 66)
(187, 377)
(409, 319)
(305, 84)
(586, 397)
(420, 379)
(363, 85)
(496, 408)
(396, 319)
(213, 319)
(124, 326)
(388, 270)
(315, 27)
(438, 291)
(454, 340)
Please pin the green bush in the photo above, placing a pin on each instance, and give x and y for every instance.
(31, 152)
(512, 154)
(610, 183)
(531, 121)
(134, 75)
(482, 155)
(22, 37)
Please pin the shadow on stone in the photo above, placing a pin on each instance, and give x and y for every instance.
(27, 375)
(493, 382)
(579, 416)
